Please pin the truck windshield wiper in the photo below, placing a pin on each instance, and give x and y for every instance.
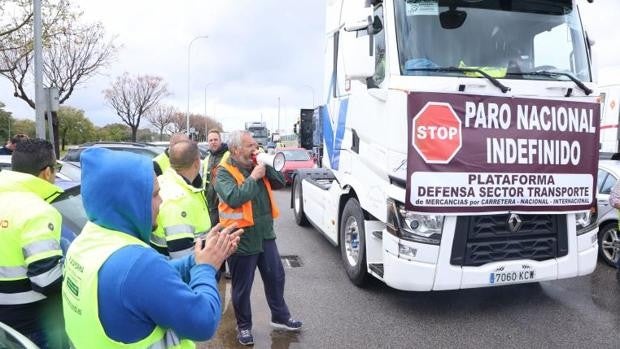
(553, 74)
(493, 80)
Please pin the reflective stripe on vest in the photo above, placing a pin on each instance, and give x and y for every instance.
(9, 275)
(88, 252)
(179, 229)
(46, 278)
(181, 253)
(20, 298)
(243, 215)
(158, 240)
(18, 272)
(40, 247)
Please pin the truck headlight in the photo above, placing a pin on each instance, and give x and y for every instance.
(406, 225)
(585, 220)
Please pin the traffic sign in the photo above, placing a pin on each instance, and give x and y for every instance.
(437, 134)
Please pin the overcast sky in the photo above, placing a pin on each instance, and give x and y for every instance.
(256, 52)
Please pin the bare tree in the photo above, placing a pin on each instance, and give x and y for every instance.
(14, 16)
(133, 98)
(200, 123)
(70, 57)
(161, 117)
(178, 123)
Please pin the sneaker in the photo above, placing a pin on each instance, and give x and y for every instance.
(245, 337)
(289, 325)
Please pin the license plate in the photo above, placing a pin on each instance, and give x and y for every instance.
(505, 277)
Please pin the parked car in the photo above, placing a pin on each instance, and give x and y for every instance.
(608, 234)
(70, 206)
(203, 148)
(296, 158)
(73, 155)
(5, 162)
(11, 339)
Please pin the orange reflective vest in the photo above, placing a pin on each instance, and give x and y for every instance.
(242, 215)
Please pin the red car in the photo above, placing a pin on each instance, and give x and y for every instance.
(296, 158)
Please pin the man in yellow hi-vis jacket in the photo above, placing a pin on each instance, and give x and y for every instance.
(30, 253)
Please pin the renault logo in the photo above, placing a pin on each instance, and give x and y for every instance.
(514, 223)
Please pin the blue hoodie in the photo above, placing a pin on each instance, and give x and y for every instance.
(138, 287)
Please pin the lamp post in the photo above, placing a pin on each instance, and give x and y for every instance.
(189, 49)
(39, 98)
(207, 85)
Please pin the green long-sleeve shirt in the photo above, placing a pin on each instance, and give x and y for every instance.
(236, 195)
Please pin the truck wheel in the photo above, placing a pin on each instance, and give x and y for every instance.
(353, 242)
(298, 203)
(608, 238)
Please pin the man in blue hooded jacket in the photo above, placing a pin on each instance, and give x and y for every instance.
(117, 290)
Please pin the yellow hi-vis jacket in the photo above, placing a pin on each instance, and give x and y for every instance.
(29, 233)
(183, 215)
(163, 161)
(243, 214)
(80, 288)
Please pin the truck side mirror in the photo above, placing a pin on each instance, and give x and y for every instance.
(359, 20)
(358, 50)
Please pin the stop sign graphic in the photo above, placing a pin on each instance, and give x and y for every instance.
(437, 133)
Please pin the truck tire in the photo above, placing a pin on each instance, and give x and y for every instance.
(298, 203)
(353, 242)
(608, 235)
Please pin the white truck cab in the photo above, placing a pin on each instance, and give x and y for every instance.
(460, 143)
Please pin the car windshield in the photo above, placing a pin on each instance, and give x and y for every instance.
(295, 155)
(506, 38)
(70, 206)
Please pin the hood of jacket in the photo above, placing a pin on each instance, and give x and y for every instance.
(222, 150)
(117, 190)
(11, 181)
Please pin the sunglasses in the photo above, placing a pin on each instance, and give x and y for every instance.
(56, 167)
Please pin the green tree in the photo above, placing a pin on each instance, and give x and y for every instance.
(114, 132)
(74, 127)
(24, 126)
(6, 124)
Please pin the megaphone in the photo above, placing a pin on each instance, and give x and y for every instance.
(276, 160)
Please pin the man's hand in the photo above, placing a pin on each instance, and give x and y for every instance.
(218, 245)
(258, 172)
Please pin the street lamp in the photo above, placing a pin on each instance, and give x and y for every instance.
(207, 85)
(189, 48)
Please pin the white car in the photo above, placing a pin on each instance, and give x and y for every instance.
(608, 235)
(68, 172)
(5, 162)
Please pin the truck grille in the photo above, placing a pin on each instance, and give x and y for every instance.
(483, 239)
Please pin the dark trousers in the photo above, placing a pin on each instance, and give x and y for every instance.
(271, 271)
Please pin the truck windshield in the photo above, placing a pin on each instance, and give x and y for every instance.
(259, 132)
(504, 38)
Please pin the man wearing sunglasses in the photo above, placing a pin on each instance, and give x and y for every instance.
(30, 254)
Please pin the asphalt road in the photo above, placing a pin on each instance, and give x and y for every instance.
(575, 313)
